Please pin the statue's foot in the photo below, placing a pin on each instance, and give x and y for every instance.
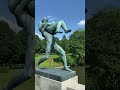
(66, 68)
(67, 31)
(58, 32)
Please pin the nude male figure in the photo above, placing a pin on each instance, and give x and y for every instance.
(54, 28)
(51, 43)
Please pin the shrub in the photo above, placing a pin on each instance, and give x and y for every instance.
(70, 61)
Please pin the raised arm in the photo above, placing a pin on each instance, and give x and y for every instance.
(40, 25)
(42, 28)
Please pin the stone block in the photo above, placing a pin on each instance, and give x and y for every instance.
(43, 83)
(57, 74)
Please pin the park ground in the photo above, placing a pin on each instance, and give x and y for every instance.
(47, 63)
(29, 84)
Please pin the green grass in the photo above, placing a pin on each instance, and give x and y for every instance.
(29, 84)
(47, 62)
(80, 70)
(5, 77)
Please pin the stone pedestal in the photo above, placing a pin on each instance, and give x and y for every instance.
(56, 79)
(57, 74)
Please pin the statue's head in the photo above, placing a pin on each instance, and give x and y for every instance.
(44, 20)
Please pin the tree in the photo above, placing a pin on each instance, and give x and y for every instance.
(103, 50)
(18, 46)
(77, 46)
(12, 45)
(6, 36)
(64, 44)
(39, 45)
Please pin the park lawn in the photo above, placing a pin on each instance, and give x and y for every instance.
(29, 84)
(47, 62)
(5, 77)
(80, 70)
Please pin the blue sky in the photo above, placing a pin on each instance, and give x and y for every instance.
(71, 11)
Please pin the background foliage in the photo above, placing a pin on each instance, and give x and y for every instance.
(74, 47)
(103, 51)
(12, 45)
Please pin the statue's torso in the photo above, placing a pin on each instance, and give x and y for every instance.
(48, 37)
(51, 28)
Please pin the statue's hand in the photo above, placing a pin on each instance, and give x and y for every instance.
(44, 27)
(42, 30)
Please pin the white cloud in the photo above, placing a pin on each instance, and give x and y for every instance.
(51, 18)
(40, 22)
(53, 22)
(39, 35)
(81, 23)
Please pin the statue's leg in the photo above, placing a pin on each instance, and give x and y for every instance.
(61, 52)
(62, 24)
(47, 53)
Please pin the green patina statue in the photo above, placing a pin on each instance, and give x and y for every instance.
(48, 31)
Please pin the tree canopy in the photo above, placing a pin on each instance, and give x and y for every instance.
(103, 50)
(12, 45)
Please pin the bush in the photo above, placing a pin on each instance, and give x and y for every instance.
(70, 60)
(59, 59)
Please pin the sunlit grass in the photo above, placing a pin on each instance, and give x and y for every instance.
(29, 84)
(47, 63)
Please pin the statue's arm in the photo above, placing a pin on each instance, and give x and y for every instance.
(49, 24)
(42, 28)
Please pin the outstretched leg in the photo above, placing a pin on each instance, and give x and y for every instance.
(62, 24)
(61, 52)
(47, 54)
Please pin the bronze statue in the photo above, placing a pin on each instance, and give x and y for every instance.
(48, 31)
